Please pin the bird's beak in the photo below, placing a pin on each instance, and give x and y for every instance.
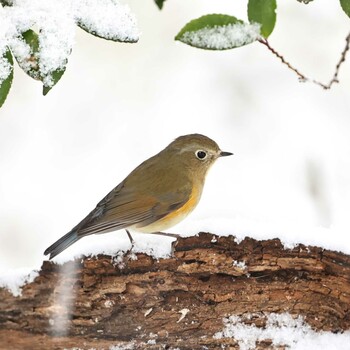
(225, 154)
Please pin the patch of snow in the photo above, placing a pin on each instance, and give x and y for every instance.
(108, 303)
(223, 37)
(239, 264)
(129, 346)
(116, 244)
(281, 329)
(15, 279)
(5, 66)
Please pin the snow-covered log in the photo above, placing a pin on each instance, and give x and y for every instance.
(212, 292)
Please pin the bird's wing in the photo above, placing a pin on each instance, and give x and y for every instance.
(123, 207)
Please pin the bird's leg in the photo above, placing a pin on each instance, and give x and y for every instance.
(130, 238)
(128, 253)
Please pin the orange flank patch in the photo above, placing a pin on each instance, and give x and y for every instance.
(183, 211)
(175, 216)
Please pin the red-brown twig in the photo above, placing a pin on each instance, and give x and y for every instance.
(301, 76)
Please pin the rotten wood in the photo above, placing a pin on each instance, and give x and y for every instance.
(179, 302)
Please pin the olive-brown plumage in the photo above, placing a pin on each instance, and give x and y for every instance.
(156, 195)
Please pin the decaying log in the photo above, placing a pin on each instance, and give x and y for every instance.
(179, 302)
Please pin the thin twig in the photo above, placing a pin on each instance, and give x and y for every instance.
(301, 76)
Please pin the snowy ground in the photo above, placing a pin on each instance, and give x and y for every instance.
(118, 104)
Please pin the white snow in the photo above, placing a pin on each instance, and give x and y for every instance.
(15, 279)
(128, 346)
(5, 66)
(108, 19)
(55, 22)
(239, 264)
(223, 37)
(281, 329)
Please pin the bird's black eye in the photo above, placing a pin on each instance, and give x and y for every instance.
(201, 154)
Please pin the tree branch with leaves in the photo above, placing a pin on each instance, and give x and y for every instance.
(39, 35)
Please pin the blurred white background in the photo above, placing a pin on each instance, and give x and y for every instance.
(118, 104)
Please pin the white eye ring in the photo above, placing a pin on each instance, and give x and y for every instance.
(201, 155)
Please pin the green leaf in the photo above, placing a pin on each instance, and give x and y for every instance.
(56, 76)
(5, 85)
(159, 3)
(30, 64)
(263, 12)
(218, 32)
(345, 5)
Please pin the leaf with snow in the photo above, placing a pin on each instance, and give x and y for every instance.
(25, 48)
(218, 32)
(263, 12)
(345, 5)
(6, 74)
(107, 19)
(55, 76)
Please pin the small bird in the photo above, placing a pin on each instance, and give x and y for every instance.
(156, 195)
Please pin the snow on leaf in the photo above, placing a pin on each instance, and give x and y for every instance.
(6, 73)
(55, 77)
(56, 40)
(107, 19)
(218, 32)
(25, 48)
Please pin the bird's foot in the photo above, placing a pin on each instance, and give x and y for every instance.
(174, 235)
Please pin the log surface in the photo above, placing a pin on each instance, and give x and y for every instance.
(178, 302)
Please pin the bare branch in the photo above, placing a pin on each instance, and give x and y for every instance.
(304, 78)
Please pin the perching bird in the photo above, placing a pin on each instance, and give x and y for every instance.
(156, 195)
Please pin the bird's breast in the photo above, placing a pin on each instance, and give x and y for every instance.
(175, 216)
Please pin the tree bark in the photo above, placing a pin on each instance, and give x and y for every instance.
(178, 302)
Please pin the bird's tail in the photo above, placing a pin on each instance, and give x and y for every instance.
(63, 243)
